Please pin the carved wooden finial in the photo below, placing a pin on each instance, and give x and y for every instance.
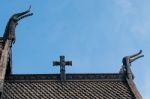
(127, 60)
(12, 23)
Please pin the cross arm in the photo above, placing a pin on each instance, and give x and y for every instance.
(56, 63)
(68, 63)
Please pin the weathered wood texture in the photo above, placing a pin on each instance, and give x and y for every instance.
(4, 61)
(134, 89)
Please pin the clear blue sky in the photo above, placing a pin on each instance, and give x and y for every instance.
(94, 34)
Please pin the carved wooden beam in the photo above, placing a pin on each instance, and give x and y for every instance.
(3, 62)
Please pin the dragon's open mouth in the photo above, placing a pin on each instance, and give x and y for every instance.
(26, 15)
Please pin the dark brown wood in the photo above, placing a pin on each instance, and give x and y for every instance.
(127, 60)
(12, 23)
(6, 44)
(3, 62)
(134, 89)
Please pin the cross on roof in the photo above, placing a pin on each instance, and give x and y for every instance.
(62, 63)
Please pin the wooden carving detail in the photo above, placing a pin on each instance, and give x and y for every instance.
(12, 23)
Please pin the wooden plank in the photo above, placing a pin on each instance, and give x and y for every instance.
(3, 62)
(134, 89)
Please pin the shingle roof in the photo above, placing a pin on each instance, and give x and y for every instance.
(78, 86)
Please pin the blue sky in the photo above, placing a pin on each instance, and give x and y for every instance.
(94, 34)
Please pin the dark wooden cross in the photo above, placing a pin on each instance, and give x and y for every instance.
(62, 63)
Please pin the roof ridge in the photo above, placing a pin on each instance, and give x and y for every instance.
(68, 77)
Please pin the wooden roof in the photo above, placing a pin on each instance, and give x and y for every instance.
(78, 86)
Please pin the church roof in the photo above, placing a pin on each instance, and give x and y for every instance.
(63, 86)
(81, 86)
